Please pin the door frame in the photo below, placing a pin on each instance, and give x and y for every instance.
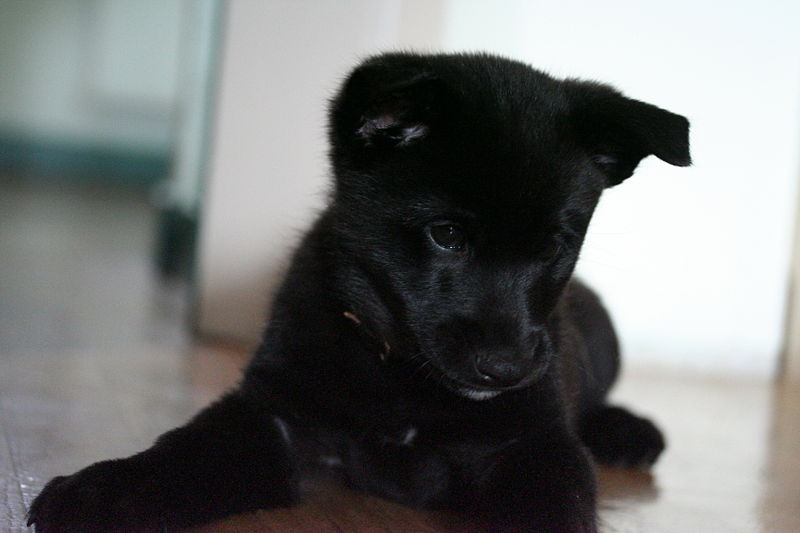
(790, 358)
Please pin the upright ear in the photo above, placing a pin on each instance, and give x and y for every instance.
(619, 132)
(387, 102)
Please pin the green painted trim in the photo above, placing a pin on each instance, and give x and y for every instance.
(56, 160)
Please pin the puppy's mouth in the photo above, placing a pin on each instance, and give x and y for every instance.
(481, 392)
(471, 392)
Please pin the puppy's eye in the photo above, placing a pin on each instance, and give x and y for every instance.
(448, 235)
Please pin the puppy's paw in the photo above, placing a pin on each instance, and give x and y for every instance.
(616, 437)
(101, 498)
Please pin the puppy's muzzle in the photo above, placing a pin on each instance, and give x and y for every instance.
(508, 368)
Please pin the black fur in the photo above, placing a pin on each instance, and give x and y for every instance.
(428, 343)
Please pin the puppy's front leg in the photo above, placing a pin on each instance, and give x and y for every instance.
(232, 457)
(539, 486)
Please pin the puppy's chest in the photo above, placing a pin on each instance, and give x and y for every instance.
(444, 437)
(410, 433)
(402, 435)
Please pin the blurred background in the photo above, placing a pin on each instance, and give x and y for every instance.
(159, 158)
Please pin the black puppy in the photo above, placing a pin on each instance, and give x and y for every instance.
(427, 343)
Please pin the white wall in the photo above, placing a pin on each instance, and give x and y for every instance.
(281, 62)
(693, 262)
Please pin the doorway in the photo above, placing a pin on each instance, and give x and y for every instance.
(104, 108)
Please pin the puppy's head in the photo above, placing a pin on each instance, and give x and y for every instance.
(464, 185)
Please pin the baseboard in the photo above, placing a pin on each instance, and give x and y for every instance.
(56, 160)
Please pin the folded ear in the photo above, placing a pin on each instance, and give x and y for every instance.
(387, 104)
(619, 132)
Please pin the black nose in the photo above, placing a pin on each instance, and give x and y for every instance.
(500, 372)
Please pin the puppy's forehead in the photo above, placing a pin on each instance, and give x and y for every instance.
(506, 114)
(515, 169)
(507, 134)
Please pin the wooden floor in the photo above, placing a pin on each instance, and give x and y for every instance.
(95, 363)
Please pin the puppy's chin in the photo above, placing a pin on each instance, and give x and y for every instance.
(469, 392)
(477, 395)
